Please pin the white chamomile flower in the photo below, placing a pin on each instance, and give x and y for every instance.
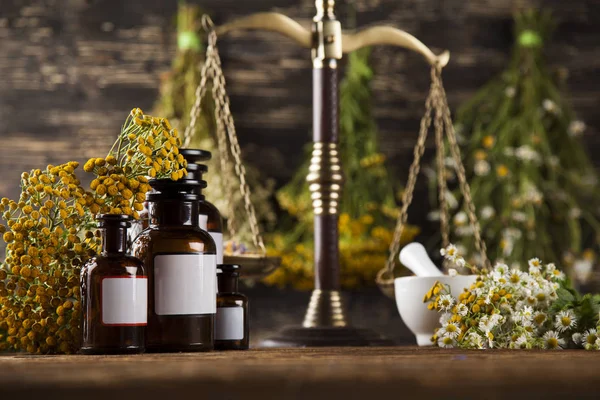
(559, 275)
(565, 320)
(590, 336)
(482, 168)
(460, 262)
(446, 342)
(510, 91)
(576, 128)
(488, 212)
(515, 277)
(445, 317)
(461, 218)
(577, 338)
(535, 266)
(451, 329)
(552, 340)
(522, 342)
(446, 302)
(490, 338)
(449, 252)
(597, 344)
(462, 310)
(452, 272)
(550, 106)
(476, 341)
(540, 318)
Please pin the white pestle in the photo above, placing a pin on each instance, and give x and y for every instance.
(414, 257)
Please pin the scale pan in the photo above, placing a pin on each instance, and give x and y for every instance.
(254, 266)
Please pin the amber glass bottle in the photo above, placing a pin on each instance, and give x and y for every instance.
(231, 331)
(180, 259)
(114, 294)
(210, 217)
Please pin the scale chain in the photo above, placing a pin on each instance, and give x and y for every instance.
(408, 192)
(436, 101)
(225, 128)
(460, 169)
(225, 111)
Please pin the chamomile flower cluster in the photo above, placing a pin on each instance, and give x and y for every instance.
(507, 308)
(147, 147)
(50, 232)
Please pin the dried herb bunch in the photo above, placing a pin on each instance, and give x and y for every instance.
(50, 232)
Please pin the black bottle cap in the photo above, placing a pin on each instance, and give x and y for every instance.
(168, 189)
(195, 155)
(229, 269)
(113, 220)
(195, 171)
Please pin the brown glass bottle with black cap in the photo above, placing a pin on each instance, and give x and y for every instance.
(231, 330)
(114, 294)
(210, 217)
(180, 259)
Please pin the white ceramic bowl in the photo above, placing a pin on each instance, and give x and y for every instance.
(410, 291)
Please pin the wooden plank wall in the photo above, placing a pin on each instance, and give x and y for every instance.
(71, 69)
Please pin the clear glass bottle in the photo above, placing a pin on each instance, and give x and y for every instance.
(232, 328)
(210, 217)
(114, 294)
(180, 259)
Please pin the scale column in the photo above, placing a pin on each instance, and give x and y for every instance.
(325, 177)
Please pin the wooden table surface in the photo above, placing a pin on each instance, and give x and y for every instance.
(323, 373)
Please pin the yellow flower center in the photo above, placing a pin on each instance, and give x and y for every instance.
(447, 340)
(565, 321)
(451, 328)
(552, 343)
(591, 339)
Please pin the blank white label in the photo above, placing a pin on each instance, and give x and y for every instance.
(229, 323)
(185, 284)
(124, 301)
(218, 238)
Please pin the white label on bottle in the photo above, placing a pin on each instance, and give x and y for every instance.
(229, 323)
(203, 221)
(125, 301)
(218, 238)
(185, 284)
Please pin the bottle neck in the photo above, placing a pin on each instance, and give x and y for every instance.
(173, 213)
(114, 240)
(227, 284)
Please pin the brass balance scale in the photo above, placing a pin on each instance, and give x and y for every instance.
(325, 322)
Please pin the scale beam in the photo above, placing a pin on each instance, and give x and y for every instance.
(377, 35)
(325, 322)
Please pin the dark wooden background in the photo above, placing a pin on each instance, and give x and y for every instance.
(70, 71)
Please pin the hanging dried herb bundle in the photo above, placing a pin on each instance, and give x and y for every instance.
(177, 95)
(532, 182)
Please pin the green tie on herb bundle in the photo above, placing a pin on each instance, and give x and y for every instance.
(368, 207)
(177, 95)
(534, 186)
(50, 232)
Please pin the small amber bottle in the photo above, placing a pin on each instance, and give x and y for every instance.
(232, 331)
(114, 294)
(180, 259)
(210, 217)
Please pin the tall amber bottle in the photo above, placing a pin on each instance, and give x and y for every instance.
(180, 259)
(114, 293)
(210, 217)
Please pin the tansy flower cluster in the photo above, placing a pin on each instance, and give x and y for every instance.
(146, 147)
(47, 240)
(50, 232)
(508, 308)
